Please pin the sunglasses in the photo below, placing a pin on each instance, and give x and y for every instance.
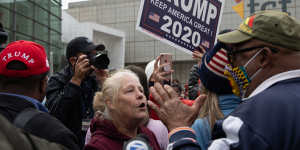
(232, 54)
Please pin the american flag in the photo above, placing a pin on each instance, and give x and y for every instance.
(205, 44)
(218, 62)
(154, 17)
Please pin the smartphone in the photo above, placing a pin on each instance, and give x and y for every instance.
(166, 58)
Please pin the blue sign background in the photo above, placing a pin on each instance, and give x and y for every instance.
(156, 17)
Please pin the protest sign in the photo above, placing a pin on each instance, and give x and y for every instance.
(184, 24)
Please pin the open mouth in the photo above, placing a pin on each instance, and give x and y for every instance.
(142, 105)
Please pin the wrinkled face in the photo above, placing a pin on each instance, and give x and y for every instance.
(249, 61)
(131, 102)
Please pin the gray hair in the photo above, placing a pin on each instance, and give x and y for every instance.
(111, 87)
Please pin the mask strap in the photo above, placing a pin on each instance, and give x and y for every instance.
(258, 71)
(252, 58)
(243, 95)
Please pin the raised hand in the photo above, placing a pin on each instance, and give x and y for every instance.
(82, 67)
(172, 112)
(197, 55)
(159, 75)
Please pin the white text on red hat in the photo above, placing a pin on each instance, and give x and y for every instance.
(18, 54)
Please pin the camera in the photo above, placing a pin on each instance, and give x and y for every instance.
(100, 60)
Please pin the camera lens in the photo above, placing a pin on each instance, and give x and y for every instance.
(100, 60)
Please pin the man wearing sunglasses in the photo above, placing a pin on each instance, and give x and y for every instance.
(264, 55)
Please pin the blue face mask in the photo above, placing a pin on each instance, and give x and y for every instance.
(238, 77)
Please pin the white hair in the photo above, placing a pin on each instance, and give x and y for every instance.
(112, 85)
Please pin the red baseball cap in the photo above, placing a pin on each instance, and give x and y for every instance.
(30, 53)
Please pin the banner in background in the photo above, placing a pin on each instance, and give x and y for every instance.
(184, 24)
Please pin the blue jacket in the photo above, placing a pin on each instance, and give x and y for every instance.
(268, 120)
(227, 103)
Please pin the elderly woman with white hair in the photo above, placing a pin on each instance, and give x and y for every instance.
(124, 115)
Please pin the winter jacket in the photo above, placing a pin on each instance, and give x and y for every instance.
(13, 138)
(193, 86)
(42, 125)
(105, 136)
(267, 120)
(71, 103)
(226, 103)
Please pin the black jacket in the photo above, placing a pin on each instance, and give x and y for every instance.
(268, 120)
(42, 125)
(193, 82)
(69, 102)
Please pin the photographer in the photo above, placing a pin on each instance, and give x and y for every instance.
(70, 92)
(3, 37)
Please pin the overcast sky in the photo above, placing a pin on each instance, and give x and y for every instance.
(65, 3)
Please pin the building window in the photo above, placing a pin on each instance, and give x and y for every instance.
(37, 20)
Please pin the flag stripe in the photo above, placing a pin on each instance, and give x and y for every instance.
(251, 20)
(219, 63)
(222, 58)
(215, 69)
(223, 51)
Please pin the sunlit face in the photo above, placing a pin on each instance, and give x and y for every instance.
(131, 102)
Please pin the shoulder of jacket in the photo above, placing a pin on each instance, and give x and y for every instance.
(100, 142)
(61, 77)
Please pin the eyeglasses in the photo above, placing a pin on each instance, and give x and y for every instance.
(232, 54)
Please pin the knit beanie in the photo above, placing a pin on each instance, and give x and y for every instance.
(212, 70)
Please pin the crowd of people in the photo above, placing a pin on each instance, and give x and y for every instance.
(242, 95)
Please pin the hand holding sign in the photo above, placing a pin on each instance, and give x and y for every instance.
(198, 54)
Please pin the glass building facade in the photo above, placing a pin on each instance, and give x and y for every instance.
(35, 20)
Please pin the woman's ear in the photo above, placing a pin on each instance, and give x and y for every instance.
(109, 104)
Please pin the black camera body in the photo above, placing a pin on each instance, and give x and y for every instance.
(100, 60)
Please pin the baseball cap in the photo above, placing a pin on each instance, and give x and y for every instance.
(274, 27)
(30, 53)
(80, 44)
(149, 69)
